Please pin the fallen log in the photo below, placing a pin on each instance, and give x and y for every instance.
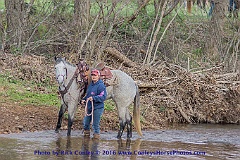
(119, 56)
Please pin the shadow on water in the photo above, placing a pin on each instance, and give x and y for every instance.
(188, 142)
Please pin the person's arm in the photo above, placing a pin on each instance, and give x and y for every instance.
(102, 94)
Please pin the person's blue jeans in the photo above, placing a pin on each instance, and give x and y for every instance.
(97, 113)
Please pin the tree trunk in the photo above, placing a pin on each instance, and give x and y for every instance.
(82, 13)
(81, 21)
(16, 23)
(216, 30)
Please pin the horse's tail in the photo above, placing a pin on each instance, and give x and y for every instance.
(136, 112)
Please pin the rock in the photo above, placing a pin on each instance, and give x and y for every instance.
(20, 127)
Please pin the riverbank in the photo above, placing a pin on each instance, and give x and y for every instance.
(17, 119)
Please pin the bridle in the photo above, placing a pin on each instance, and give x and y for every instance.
(74, 77)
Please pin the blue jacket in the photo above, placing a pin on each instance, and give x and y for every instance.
(98, 92)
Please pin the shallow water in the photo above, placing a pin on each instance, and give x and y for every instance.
(184, 142)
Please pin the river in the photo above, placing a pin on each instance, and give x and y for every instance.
(202, 141)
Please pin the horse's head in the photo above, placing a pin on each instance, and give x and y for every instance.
(60, 70)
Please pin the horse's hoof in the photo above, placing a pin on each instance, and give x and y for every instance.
(129, 136)
(56, 131)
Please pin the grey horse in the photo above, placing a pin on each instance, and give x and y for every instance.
(69, 89)
(123, 91)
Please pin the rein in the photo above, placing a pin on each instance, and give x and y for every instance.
(86, 113)
(75, 75)
(81, 69)
(68, 85)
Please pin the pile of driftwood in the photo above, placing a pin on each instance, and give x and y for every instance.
(170, 91)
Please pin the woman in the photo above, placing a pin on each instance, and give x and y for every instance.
(97, 94)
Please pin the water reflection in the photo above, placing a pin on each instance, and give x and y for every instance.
(129, 148)
(90, 148)
(84, 147)
(121, 145)
(59, 143)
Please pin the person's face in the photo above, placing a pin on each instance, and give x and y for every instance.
(95, 78)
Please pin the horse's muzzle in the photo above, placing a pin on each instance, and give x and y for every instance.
(60, 79)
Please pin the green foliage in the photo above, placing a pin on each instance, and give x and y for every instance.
(42, 30)
(197, 52)
(2, 6)
(162, 108)
(142, 119)
(109, 105)
(25, 93)
(65, 115)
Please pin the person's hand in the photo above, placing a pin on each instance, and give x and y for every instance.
(83, 102)
(90, 99)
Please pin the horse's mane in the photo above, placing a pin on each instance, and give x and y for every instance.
(59, 60)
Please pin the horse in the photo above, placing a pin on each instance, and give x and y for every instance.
(123, 93)
(70, 89)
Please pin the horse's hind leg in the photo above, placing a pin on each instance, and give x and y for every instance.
(122, 119)
(129, 127)
(122, 122)
(71, 113)
(60, 116)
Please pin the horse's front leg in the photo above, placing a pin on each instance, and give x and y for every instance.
(60, 116)
(70, 122)
(71, 113)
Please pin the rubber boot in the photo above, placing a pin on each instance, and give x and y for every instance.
(86, 133)
(96, 136)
